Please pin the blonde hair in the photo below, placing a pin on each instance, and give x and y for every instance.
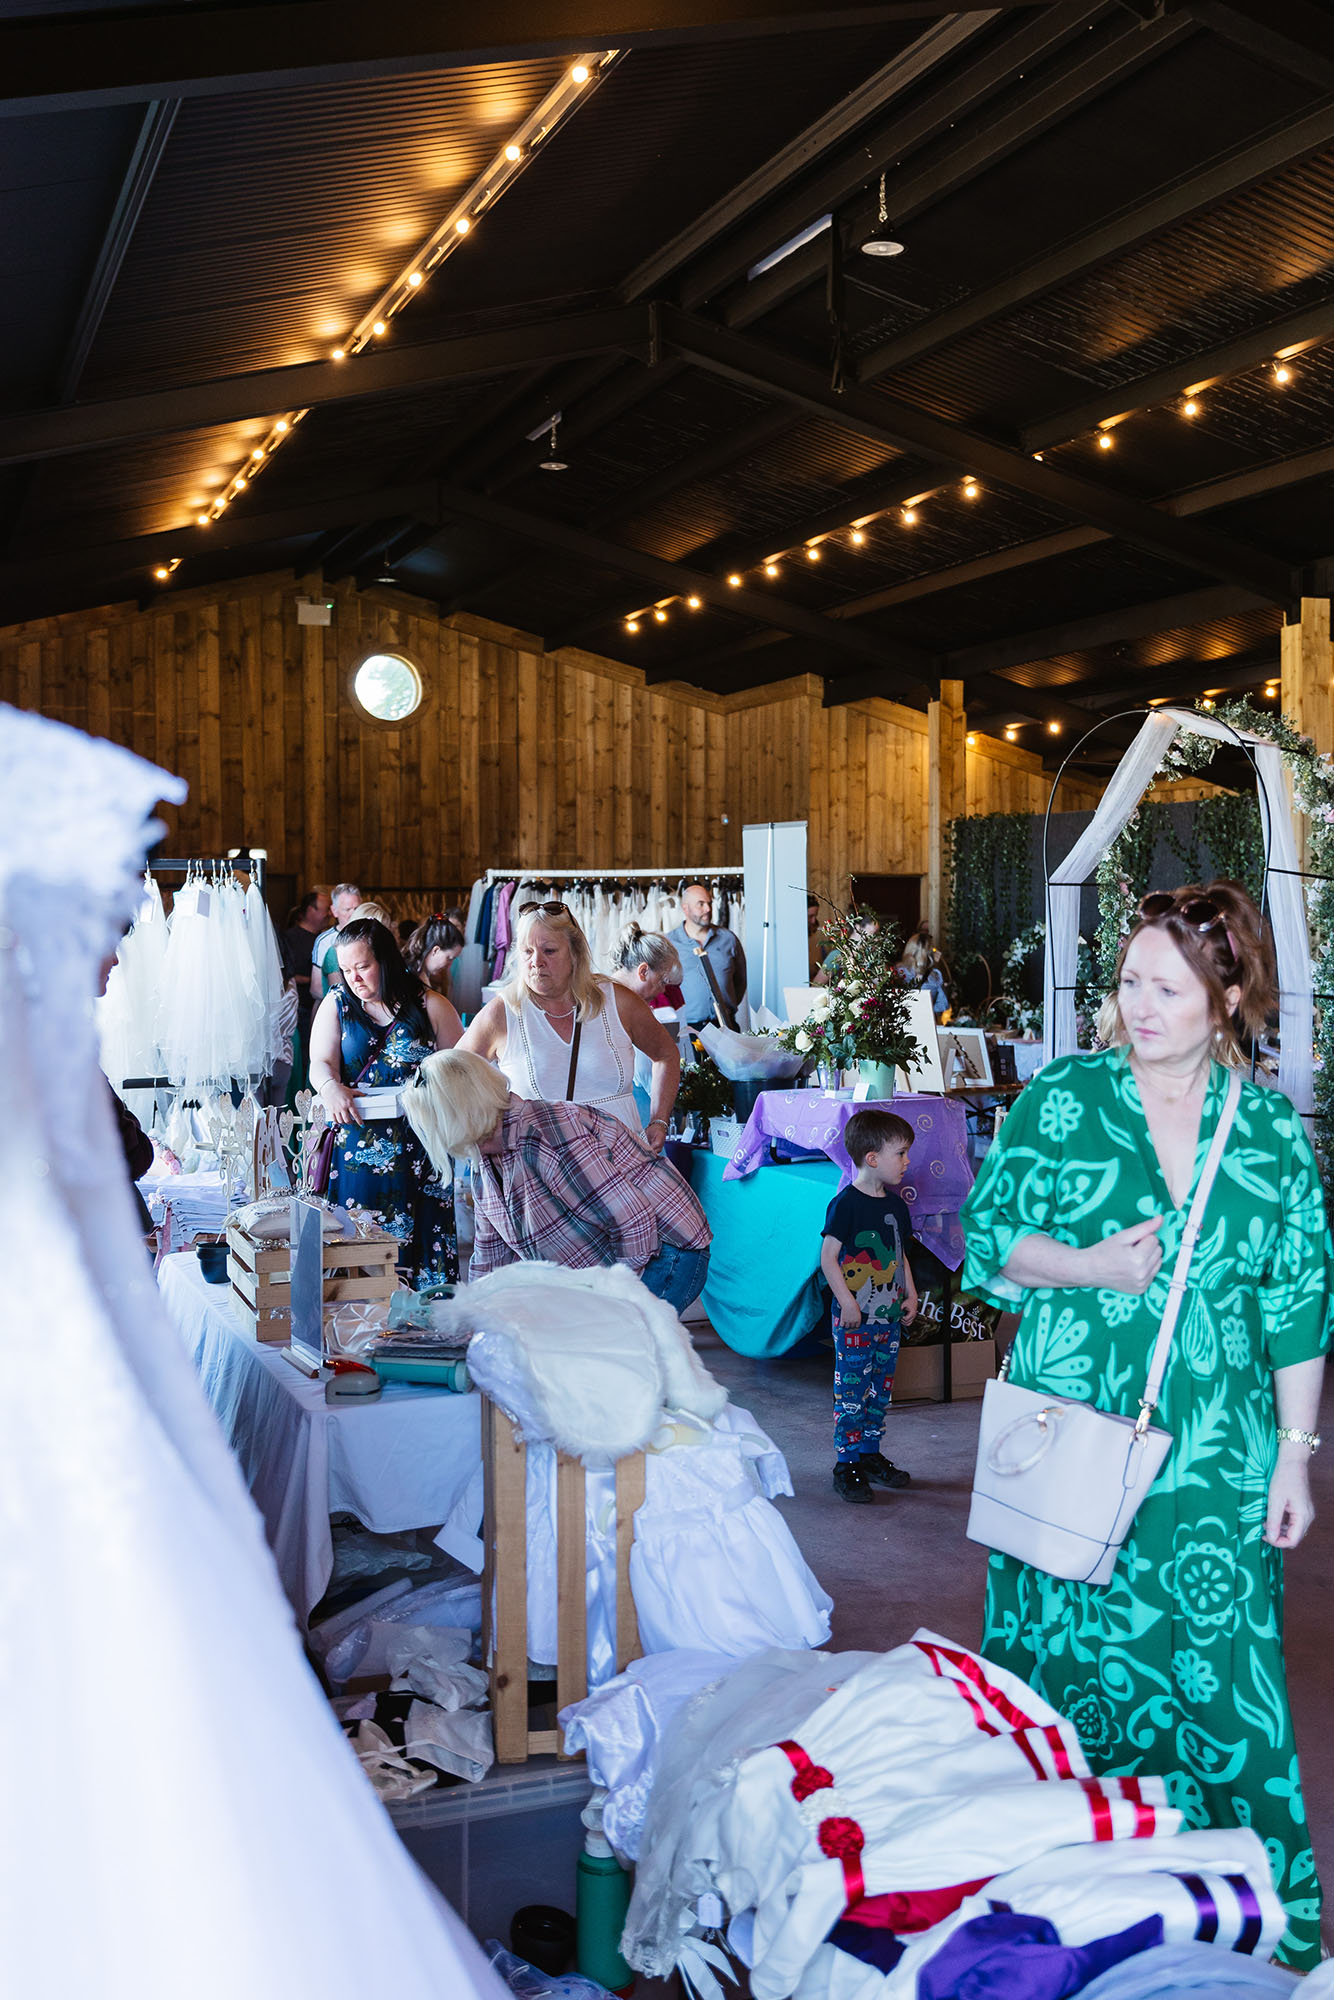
(636, 947)
(1236, 952)
(587, 994)
(376, 912)
(454, 1102)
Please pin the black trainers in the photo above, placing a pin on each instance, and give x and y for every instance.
(878, 1469)
(851, 1483)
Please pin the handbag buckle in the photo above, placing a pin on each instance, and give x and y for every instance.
(1143, 1419)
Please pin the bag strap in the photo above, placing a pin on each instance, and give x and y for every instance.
(574, 1061)
(1176, 1289)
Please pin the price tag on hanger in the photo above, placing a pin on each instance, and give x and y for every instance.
(203, 902)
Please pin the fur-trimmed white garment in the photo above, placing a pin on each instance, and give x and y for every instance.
(588, 1361)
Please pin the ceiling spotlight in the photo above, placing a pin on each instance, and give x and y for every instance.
(553, 462)
(693, 603)
(1053, 728)
(414, 279)
(513, 152)
(882, 242)
(338, 354)
(1190, 408)
(1105, 440)
(1282, 373)
(909, 516)
(812, 555)
(970, 489)
(771, 569)
(857, 538)
(379, 328)
(579, 74)
(660, 615)
(162, 572)
(734, 581)
(632, 624)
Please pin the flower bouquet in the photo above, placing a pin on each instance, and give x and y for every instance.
(862, 1016)
(705, 1092)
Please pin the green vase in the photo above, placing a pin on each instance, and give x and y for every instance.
(879, 1078)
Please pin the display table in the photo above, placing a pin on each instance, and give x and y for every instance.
(762, 1293)
(410, 1459)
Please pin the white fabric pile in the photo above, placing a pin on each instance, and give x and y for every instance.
(799, 1787)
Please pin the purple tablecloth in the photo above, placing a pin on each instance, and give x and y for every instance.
(938, 1177)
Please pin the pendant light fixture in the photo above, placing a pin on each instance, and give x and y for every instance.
(553, 462)
(882, 242)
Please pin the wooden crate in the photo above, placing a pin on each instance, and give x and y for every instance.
(260, 1274)
(505, 1584)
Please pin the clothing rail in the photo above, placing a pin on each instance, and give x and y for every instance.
(604, 874)
(240, 864)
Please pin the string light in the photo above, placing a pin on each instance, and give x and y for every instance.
(660, 615)
(909, 516)
(693, 603)
(162, 572)
(1105, 440)
(857, 538)
(771, 569)
(970, 741)
(812, 554)
(632, 624)
(558, 104)
(734, 581)
(1190, 408)
(970, 489)
(1053, 728)
(1011, 735)
(1282, 374)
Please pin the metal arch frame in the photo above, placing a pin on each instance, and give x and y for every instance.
(1124, 715)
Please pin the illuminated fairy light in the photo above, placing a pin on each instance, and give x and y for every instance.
(573, 89)
(970, 489)
(909, 517)
(1191, 407)
(970, 741)
(734, 581)
(1282, 374)
(693, 603)
(857, 538)
(1053, 728)
(771, 569)
(660, 614)
(1105, 440)
(632, 624)
(1011, 735)
(812, 554)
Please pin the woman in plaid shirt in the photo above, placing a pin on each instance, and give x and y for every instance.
(558, 1183)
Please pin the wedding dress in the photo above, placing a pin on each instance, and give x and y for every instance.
(184, 1815)
(127, 1015)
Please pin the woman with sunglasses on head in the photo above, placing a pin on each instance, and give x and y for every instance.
(1175, 1667)
(557, 1031)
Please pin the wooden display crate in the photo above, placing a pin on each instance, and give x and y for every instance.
(920, 1377)
(259, 1272)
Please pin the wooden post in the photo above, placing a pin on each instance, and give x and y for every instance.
(630, 1484)
(1308, 684)
(947, 795)
(505, 1583)
(571, 1584)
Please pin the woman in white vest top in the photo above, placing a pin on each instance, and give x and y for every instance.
(529, 1029)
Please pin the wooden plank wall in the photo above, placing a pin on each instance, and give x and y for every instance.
(565, 760)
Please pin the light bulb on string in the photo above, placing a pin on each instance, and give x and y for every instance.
(970, 489)
(909, 517)
(632, 624)
(513, 152)
(379, 329)
(812, 554)
(202, 520)
(1011, 735)
(1190, 408)
(162, 572)
(734, 581)
(339, 354)
(1105, 440)
(1053, 729)
(693, 603)
(771, 569)
(281, 427)
(660, 615)
(1282, 374)
(857, 538)
(579, 74)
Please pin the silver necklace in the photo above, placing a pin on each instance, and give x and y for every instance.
(552, 1014)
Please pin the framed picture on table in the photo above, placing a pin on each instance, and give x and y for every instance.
(964, 1057)
(926, 1074)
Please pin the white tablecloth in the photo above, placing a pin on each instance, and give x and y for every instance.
(411, 1459)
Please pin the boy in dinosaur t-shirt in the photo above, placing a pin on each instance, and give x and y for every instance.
(864, 1261)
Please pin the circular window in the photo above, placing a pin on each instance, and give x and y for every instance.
(387, 687)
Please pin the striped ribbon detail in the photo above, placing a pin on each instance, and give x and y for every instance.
(1206, 1928)
(1252, 1922)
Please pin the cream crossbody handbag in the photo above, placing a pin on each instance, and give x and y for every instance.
(1058, 1482)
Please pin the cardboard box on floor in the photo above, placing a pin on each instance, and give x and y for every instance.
(918, 1378)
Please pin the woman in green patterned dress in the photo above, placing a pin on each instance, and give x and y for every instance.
(1176, 1666)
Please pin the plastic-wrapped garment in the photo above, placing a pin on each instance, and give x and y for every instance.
(749, 1058)
(622, 1727)
(587, 1360)
(765, 1700)
(458, 1741)
(127, 1516)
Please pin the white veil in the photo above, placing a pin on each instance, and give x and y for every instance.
(180, 1812)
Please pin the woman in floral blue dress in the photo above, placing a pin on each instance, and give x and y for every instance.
(375, 1030)
(1176, 1667)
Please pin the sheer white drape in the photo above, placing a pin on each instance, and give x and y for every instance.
(1287, 905)
(180, 1812)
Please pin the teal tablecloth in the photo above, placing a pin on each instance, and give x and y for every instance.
(762, 1294)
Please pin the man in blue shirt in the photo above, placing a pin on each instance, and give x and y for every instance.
(697, 940)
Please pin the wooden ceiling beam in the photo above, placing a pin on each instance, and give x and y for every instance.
(1287, 34)
(913, 669)
(907, 427)
(1233, 357)
(1123, 233)
(125, 54)
(1103, 628)
(379, 371)
(1115, 50)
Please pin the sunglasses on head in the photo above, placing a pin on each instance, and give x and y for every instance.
(1200, 913)
(548, 910)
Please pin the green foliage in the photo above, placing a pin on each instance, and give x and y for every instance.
(705, 1092)
(990, 863)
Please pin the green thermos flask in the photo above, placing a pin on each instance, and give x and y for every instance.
(602, 1897)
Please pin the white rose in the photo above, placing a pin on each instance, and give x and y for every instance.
(853, 986)
(821, 1003)
(802, 1040)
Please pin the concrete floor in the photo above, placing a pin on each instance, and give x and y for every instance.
(905, 1561)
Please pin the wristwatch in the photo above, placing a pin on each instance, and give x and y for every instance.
(1286, 1435)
